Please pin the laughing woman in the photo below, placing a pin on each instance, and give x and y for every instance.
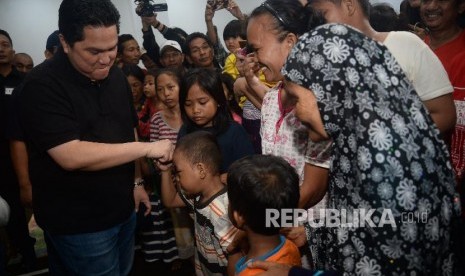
(387, 156)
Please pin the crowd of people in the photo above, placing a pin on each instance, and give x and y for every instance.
(344, 110)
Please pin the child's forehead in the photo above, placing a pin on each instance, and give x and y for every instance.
(179, 156)
(196, 92)
(197, 88)
(149, 77)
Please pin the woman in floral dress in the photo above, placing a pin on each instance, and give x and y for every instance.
(387, 158)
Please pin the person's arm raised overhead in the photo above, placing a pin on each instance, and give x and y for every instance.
(236, 12)
(211, 33)
(149, 42)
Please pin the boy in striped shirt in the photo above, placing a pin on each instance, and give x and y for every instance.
(197, 184)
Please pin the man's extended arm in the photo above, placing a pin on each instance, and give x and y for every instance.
(91, 156)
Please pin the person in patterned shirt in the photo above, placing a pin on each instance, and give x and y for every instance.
(387, 157)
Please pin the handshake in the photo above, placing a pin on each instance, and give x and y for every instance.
(147, 8)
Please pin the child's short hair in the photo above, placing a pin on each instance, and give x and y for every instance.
(201, 147)
(260, 182)
(122, 39)
(235, 28)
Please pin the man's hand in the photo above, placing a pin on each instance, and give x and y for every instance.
(419, 31)
(236, 12)
(163, 166)
(271, 268)
(161, 150)
(149, 20)
(209, 13)
(140, 196)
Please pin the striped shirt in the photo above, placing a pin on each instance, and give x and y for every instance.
(160, 130)
(213, 233)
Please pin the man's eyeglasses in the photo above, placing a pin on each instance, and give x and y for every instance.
(275, 14)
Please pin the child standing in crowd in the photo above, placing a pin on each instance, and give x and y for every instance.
(228, 87)
(157, 235)
(152, 103)
(204, 107)
(165, 124)
(265, 182)
(135, 77)
(196, 171)
(234, 33)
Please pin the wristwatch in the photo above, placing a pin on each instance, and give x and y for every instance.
(139, 182)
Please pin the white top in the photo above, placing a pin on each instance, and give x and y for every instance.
(285, 136)
(421, 66)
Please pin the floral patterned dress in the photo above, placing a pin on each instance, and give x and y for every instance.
(387, 159)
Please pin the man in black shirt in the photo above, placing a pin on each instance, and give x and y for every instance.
(18, 232)
(79, 125)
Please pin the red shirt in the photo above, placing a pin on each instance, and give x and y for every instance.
(448, 51)
(145, 114)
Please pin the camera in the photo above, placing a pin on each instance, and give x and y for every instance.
(148, 8)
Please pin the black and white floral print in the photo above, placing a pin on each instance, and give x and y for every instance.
(386, 155)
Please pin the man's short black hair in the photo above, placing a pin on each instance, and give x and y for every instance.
(260, 182)
(180, 33)
(364, 4)
(383, 18)
(74, 15)
(201, 147)
(123, 38)
(193, 36)
(53, 41)
(5, 33)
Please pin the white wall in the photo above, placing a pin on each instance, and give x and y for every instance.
(30, 22)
